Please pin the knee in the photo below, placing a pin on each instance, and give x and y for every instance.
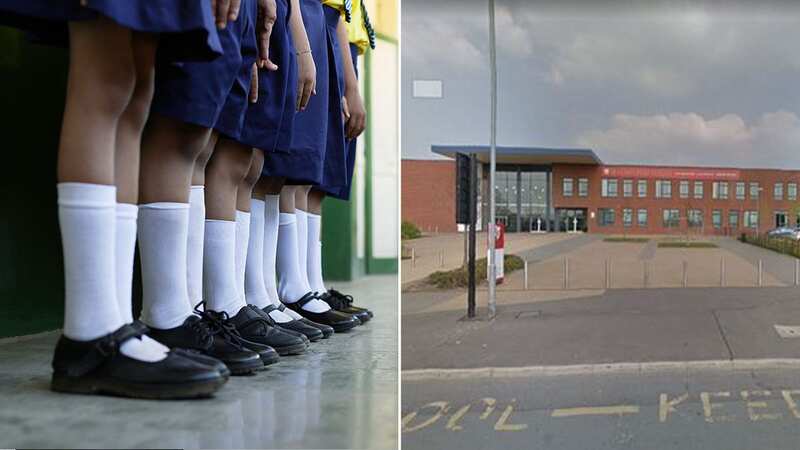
(228, 165)
(139, 106)
(254, 172)
(107, 88)
(166, 136)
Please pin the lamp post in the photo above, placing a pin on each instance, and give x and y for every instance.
(492, 306)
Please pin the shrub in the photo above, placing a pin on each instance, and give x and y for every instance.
(626, 239)
(409, 231)
(456, 278)
(686, 244)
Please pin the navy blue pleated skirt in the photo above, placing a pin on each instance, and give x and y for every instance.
(305, 161)
(268, 125)
(187, 26)
(343, 192)
(212, 94)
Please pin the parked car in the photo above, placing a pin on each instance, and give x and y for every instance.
(781, 232)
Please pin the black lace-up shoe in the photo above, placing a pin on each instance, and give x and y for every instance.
(338, 320)
(297, 326)
(327, 331)
(98, 367)
(344, 303)
(221, 319)
(198, 356)
(206, 337)
(256, 326)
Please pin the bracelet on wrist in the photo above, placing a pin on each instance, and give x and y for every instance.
(304, 52)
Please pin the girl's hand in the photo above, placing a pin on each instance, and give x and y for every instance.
(345, 110)
(267, 14)
(225, 11)
(306, 79)
(357, 115)
(254, 84)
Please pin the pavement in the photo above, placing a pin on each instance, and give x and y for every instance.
(342, 393)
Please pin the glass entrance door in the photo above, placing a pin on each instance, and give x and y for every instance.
(533, 201)
(571, 220)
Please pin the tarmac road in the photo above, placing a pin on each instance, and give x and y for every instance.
(711, 408)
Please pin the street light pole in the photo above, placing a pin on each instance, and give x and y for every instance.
(492, 163)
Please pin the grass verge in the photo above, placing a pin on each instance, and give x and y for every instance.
(449, 279)
(638, 240)
(687, 244)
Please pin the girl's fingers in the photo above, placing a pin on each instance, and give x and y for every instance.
(233, 11)
(254, 85)
(222, 13)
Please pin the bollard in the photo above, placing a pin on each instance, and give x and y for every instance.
(722, 271)
(566, 273)
(685, 274)
(441, 258)
(760, 273)
(608, 275)
(525, 273)
(644, 274)
(413, 258)
(796, 272)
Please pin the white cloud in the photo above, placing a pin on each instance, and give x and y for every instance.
(688, 138)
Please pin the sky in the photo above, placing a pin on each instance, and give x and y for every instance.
(712, 83)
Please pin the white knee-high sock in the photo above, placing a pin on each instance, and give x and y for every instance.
(242, 241)
(194, 249)
(314, 263)
(271, 218)
(291, 284)
(86, 215)
(163, 237)
(125, 249)
(144, 349)
(302, 244)
(220, 289)
(254, 289)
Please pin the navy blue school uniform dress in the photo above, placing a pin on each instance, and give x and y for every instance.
(212, 94)
(335, 168)
(268, 123)
(305, 164)
(343, 192)
(187, 26)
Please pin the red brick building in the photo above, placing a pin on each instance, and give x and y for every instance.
(541, 189)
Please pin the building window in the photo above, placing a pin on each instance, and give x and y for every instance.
(663, 189)
(641, 217)
(608, 188)
(672, 218)
(740, 190)
(694, 217)
(791, 191)
(684, 189)
(751, 219)
(716, 218)
(719, 190)
(698, 189)
(583, 187)
(754, 191)
(567, 187)
(778, 191)
(605, 217)
(642, 188)
(733, 219)
(627, 188)
(627, 217)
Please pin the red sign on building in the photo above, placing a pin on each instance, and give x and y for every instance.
(671, 173)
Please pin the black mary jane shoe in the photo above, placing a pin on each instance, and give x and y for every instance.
(98, 367)
(221, 319)
(254, 325)
(297, 326)
(337, 320)
(327, 331)
(205, 338)
(344, 303)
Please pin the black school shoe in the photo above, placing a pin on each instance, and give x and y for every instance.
(256, 326)
(221, 319)
(311, 333)
(338, 320)
(98, 367)
(327, 331)
(207, 338)
(344, 303)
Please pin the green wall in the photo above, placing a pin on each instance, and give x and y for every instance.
(33, 80)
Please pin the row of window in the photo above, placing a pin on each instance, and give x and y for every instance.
(663, 189)
(671, 218)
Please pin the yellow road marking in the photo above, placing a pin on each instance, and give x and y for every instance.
(502, 423)
(595, 411)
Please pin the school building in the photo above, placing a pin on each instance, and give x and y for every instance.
(572, 190)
